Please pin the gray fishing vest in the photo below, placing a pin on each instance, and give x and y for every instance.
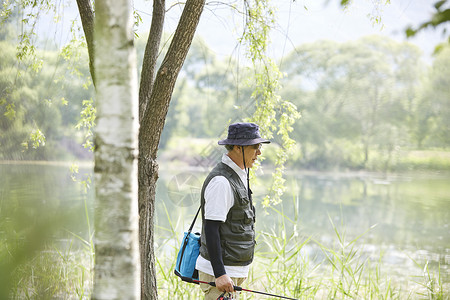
(237, 233)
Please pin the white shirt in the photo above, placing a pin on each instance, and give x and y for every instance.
(218, 201)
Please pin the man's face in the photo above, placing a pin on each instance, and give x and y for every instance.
(251, 154)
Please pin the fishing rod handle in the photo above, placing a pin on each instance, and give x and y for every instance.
(235, 287)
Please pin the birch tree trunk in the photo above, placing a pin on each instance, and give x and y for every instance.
(116, 240)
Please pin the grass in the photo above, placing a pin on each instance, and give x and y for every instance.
(58, 270)
(39, 259)
(302, 267)
(410, 160)
(424, 160)
(55, 274)
(169, 285)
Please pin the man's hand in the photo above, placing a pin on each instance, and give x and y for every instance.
(225, 284)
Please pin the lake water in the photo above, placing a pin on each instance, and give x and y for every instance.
(401, 217)
(409, 213)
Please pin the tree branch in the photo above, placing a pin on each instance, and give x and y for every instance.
(154, 100)
(156, 110)
(151, 55)
(87, 21)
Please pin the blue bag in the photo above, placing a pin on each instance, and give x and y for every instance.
(188, 254)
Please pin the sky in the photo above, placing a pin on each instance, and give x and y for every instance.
(306, 21)
(298, 22)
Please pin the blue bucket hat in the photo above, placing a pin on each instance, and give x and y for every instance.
(243, 134)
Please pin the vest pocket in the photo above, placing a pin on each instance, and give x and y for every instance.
(246, 216)
(239, 252)
(243, 196)
(245, 231)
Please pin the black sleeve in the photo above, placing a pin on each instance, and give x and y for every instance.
(214, 248)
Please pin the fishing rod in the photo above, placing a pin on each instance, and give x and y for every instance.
(236, 288)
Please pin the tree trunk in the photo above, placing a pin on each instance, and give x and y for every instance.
(154, 103)
(151, 55)
(87, 21)
(117, 265)
(154, 98)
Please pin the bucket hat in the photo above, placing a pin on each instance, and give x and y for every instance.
(243, 134)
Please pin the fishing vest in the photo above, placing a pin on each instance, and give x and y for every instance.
(237, 233)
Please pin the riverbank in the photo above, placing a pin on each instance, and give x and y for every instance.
(188, 152)
(203, 154)
(84, 164)
(415, 161)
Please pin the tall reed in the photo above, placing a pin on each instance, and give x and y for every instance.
(40, 266)
(304, 267)
(169, 285)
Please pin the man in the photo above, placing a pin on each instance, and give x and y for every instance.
(228, 214)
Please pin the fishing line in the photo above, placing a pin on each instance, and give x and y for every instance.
(239, 289)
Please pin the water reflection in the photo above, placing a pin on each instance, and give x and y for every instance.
(33, 194)
(411, 212)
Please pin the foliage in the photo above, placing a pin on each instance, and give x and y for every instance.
(405, 114)
(348, 121)
(87, 121)
(273, 114)
(368, 93)
(326, 81)
(439, 18)
(54, 274)
(435, 101)
(364, 105)
(39, 108)
(204, 98)
(28, 14)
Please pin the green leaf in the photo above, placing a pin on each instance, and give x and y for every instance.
(410, 32)
(10, 112)
(37, 138)
(439, 4)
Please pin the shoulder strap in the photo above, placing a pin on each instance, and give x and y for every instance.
(195, 218)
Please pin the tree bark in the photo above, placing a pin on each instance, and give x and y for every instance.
(116, 240)
(151, 55)
(87, 22)
(154, 104)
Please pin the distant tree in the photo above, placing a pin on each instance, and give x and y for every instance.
(433, 123)
(34, 108)
(361, 91)
(204, 97)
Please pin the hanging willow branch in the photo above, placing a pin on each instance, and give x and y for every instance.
(273, 114)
